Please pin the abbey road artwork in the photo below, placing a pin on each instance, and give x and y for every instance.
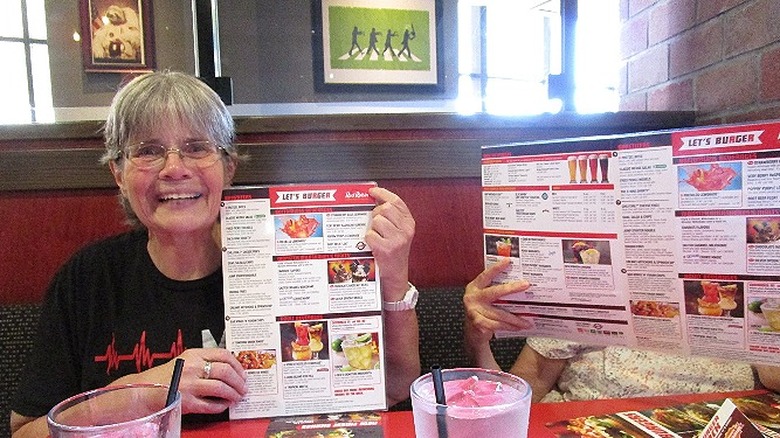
(379, 42)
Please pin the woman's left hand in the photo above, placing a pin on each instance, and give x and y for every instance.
(390, 236)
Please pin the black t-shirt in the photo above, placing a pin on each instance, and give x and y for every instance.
(110, 312)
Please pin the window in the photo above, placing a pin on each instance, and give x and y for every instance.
(508, 48)
(25, 78)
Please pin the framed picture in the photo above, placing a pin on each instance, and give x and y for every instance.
(117, 36)
(374, 45)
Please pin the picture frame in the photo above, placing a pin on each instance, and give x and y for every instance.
(117, 36)
(377, 45)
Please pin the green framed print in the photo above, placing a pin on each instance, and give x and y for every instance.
(372, 45)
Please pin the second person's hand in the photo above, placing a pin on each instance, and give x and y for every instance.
(483, 317)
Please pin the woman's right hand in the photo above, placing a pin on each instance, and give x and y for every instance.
(483, 318)
(205, 389)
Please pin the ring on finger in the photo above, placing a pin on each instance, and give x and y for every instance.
(207, 369)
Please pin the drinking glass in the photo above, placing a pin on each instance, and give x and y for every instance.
(709, 303)
(582, 162)
(503, 248)
(315, 343)
(137, 410)
(604, 167)
(728, 298)
(301, 350)
(572, 162)
(480, 402)
(590, 256)
(593, 166)
(771, 310)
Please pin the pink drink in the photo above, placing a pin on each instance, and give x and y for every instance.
(135, 410)
(479, 403)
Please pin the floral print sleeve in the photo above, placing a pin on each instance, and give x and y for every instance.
(555, 348)
(594, 372)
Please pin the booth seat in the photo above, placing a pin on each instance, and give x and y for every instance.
(18, 323)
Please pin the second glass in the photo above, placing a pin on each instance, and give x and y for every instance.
(480, 402)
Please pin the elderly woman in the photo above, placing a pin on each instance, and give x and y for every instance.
(121, 310)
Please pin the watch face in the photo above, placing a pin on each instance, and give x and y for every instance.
(413, 298)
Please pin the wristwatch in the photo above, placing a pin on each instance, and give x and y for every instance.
(407, 303)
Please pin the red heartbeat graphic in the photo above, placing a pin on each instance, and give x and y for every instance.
(143, 358)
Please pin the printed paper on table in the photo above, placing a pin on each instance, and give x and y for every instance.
(746, 417)
(346, 425)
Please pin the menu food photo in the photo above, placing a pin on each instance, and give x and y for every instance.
(666, 240)
(302, 299)
(346, 425)
(743, 417)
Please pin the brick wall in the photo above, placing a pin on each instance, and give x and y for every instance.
(720, 58)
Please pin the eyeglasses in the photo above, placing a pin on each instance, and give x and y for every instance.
(150, 154)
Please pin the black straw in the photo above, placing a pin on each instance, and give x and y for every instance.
(174, 386)
(441, 400)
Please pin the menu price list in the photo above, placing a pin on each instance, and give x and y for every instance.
(302, 298)
(665, 240)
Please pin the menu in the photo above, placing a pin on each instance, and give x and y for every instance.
(746, 417)
(302, 299)
(730, 422)
(668, 240)
(347, 425)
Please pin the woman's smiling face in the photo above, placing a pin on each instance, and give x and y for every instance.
(177, 198)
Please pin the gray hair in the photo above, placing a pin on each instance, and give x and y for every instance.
(156, 98)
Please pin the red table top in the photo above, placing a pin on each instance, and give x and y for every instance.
(401, 423)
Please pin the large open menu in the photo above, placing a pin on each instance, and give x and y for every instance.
(302, 299)
(665, 240)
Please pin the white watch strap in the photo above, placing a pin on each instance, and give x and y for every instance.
(407, 303)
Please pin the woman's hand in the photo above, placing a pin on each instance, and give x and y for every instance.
(204, 388)
(483, 318)
(390, 236)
